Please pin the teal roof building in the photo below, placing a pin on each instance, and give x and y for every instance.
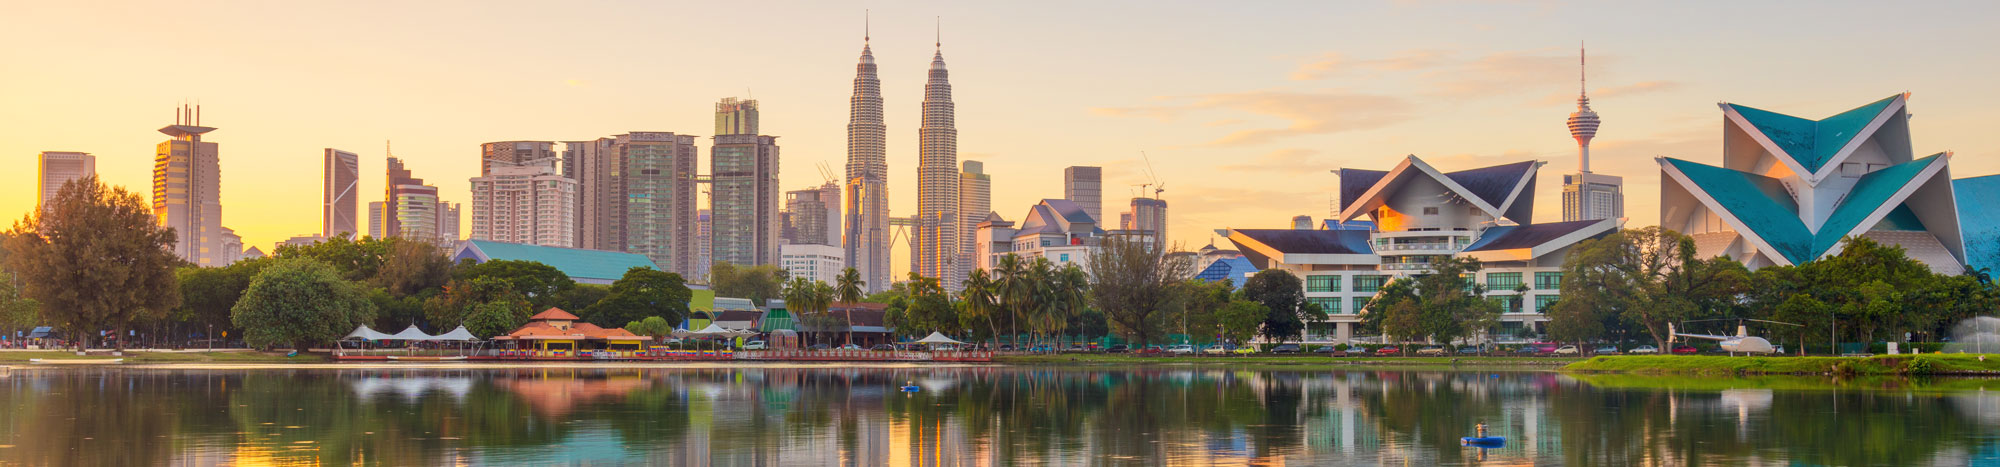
(583, 266)
(1790, 190)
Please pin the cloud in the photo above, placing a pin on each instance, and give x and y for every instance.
(1282, 160)
(1333, 63)
(1308, 113)
(1223, 122)
(1503, 73)
(1642, 87)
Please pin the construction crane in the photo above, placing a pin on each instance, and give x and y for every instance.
(1152, 178)
(827, 172)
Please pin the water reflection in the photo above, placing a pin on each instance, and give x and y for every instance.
(974, 416)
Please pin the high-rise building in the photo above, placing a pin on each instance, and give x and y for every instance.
(937, 237)
(187, 190)
(1147, 217)
(1084, 186)
(58, 168)
(449, 225)
(703, 257)
(744, 199)
(600, 206)
(867, 228)
(975, 202)
(528, 203)
(656, 197)
(1586, 195)
(376, 222)
(815, 215)
(812, 261)
(409, 207)
(338, 193)
(736, 117)
(516, 153)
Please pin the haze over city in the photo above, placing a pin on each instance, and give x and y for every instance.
(1242, 110)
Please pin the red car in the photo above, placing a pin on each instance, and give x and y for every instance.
(1390, 350)
(1685, 349)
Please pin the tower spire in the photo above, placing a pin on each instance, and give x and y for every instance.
(1582, 66)
(940, 34)
(1583, 123)
(864, 27)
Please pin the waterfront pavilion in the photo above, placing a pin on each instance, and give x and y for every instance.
(557, 333)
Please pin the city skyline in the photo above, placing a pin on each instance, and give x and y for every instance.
(1248, 147)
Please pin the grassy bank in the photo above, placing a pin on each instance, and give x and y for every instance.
(165, 357)
(1927, 364)
(1130, 359)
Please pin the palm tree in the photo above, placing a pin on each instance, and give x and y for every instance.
(820, 300)
(1015, 288)
(1041, 275)
(978, 296)
(848, 291)
(1073, 291)
(798, 297)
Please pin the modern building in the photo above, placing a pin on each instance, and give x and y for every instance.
(867, 236)
(376, 223)
(1587, 195)
(815, 215)
(745, 199)
(1791, 190)
(813, 261)
(704, 259)
(532, 204)
(409, 207)
(187, 191)
(583, 266)
(1056, 229)
(600, 204)
(1147, 217)
(339, 193)
(1419, 214)
(736, 117)
(1977, 198)
(937, 237)
(515, 154)
(975, 202)
(637, 194)
(1084, 186)
(450, 222)
(59, 168)
(298, 241)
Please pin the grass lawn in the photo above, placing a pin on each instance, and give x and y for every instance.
(166, 357)
(1927, 364)
(1307, 359)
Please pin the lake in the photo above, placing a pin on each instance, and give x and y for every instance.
(977, 415)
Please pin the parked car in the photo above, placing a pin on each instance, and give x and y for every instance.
(1528, 350)
(1323, 349)
(1605, 350)
(1245, 350)
(1044, 348)
(1684, 349)
(818, 347)
(1120, 348)
(883, 348)
(1153, 350)
(1217, 349)
(850, 347)
(1285, 348)
(1644, 350)
(1389, 350)
(1432, 351)
(1567, 350)
(755, 345)
(1182, 349)
(1469, 350)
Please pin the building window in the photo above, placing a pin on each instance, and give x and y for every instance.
(1370, 283)
(1548, 281)
(1431, 211)
(1508, 303)
(1544, 302)
(1330, 305)
(1502, 281)
(1323, 283)
(1359, 303)
(1065, 257)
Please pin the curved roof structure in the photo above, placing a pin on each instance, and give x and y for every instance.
(1496, 190)
(585, 266)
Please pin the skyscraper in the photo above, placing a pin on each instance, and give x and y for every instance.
(815, 214)
(409, 207)
(187, 190)
(936, 239)
(600, 197)
(58, 168)
(736, 117)
(975, 201)
(376, 222)
(867, 236)
(1589, 196)
(448, 222)
(654, 197)
(530, 203)
(516, 153)
(1148, 218)
(703, 259)
(1085, 186)
(338, 196)
(744, 199)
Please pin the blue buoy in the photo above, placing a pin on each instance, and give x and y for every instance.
(1483, 441)
(910, 388)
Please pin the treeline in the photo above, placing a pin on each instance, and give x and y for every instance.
(97, 260)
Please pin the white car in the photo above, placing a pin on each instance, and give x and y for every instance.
(755, 345)
(1644, 350)
(1567, 350)
(850, 347)
(1216, 349)
(1182, 349)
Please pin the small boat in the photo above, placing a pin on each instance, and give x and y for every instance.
(76, 361)
(911, 389)
(1483, 441)
(415, 358)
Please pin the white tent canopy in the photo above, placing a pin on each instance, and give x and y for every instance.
(411, 334)
(460, 334)
(937, 338)
(363, 332)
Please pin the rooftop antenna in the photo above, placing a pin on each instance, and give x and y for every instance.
(864, 27)
(940, 33)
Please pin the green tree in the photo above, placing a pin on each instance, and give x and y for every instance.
(1015, 292)
(95, 258)
(543, 285)
(978, 301)
(412, 266)
(1444, 304)
(1240, 319)
(16, 310)
(462, 297)
(357, 260)
(930, 309)
(300, 302)
(1649, 277)
(809, 301)
(1133, 281)
(208, 294)
(1284, 295)
(757, 283)
(642, 292)
(653, 326)
(581, 297)
(1198, 313)
(495, 318)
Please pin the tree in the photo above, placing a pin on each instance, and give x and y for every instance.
(1444, 304)
(412, 266)
(209, 294)
(653, 326)
(808, 300)
(1200, 309)
(497, 317)
(1284, 295)
(642, 292)
(1015, 290)
(95, 258)
(1240, 319)
(461, 298)
(300, 302)
(757, 283)
(357, 260)
(930, 309)
(580, 297)
(1134, 280)
(542, 284)
(977, 298)
(15, 310)
(1648, 277)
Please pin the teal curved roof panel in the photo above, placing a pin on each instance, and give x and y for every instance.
(1868, 195)
(1978, 199)
(589, 266)
(1760, 202)
(1813, 143)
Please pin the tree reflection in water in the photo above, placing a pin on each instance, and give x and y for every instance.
(974, 416)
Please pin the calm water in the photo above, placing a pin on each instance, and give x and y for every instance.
(977, 416)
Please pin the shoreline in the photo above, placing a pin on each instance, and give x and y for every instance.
(1935, 364)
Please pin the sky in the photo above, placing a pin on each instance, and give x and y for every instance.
(1240, 109)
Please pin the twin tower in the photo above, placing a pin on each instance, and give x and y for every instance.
(940, 234)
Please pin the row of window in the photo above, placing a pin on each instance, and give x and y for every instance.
(1496, 282)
